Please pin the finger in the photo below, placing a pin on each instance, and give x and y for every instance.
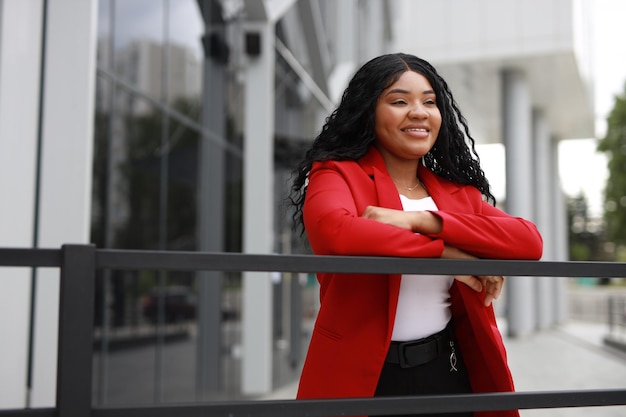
(493, 286)
(500, 285)
(488, 293)
(497, 289)
(471, 281)
(488, 299)
(497, 285)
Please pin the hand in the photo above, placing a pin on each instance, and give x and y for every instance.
(493, 287)
(417, 221)
(492, 283)
(397, 218)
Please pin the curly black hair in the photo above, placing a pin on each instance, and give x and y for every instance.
(349, 131)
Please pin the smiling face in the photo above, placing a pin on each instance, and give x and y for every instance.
(407, 119)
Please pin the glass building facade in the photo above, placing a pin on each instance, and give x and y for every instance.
(169, 89)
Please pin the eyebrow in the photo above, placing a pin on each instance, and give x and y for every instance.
(402, 91)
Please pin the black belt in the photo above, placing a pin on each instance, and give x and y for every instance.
(419, 352)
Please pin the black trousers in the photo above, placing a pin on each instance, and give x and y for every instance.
(432, 378)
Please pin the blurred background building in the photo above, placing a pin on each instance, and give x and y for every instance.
(175, 124)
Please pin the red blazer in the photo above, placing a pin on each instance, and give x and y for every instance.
(353, 329)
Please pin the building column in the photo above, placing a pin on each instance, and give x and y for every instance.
(375, 40)
(64, 208)
(20, 61)
(517, 138)
(258, 206)
(544, 214)
(560, 241)
(346, 44)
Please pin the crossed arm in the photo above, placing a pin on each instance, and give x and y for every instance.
(336, 226)
(428, 223)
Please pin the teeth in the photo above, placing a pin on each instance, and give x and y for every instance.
(415, 130)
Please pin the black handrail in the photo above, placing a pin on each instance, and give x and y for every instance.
(78, 265)
(31, 257)
(128, 259)
(196, 261)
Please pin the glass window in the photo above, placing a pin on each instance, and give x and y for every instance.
(147, 142)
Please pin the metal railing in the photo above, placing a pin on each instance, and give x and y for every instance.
(78, 265)
(616, 322)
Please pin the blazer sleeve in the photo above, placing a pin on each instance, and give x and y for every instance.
(334, 226)
(489, 232)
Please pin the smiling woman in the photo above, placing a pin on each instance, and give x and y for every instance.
(394, 172)
(407, 124)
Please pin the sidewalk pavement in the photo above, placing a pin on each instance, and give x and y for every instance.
(572, 356)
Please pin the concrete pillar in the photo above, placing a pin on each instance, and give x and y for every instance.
(66, 165)
(544, 214)
(258, 210)
(517, 137)
(47, 75)
(561, 243)
(20, 61)
(374, 41)
(346, 44)
(46, 139)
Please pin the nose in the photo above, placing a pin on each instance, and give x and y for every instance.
(418, 111)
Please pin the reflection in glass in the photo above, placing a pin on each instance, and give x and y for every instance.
(144, 194)
(167, 115)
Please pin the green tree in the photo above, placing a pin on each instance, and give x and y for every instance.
(143, 170)
(614, 145)
(586, 234)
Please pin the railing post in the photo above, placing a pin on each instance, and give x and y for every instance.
(76, 304)
(611, 314)
(620, 311)
(295, 321)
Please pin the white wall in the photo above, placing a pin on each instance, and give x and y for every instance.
(66, 164)
(463, 30)
(19, 97)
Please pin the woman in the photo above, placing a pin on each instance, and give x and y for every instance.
(394, 172)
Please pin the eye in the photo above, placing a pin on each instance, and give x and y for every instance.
(397, 102)
(430, 102)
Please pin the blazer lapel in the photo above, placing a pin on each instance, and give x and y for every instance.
(388, 197)
(443, 192)
(374, 165)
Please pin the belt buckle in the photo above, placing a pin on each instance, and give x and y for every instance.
(402, 353)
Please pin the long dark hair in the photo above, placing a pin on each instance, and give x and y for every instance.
(349, 130)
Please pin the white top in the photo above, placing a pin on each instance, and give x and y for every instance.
(424, 300)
